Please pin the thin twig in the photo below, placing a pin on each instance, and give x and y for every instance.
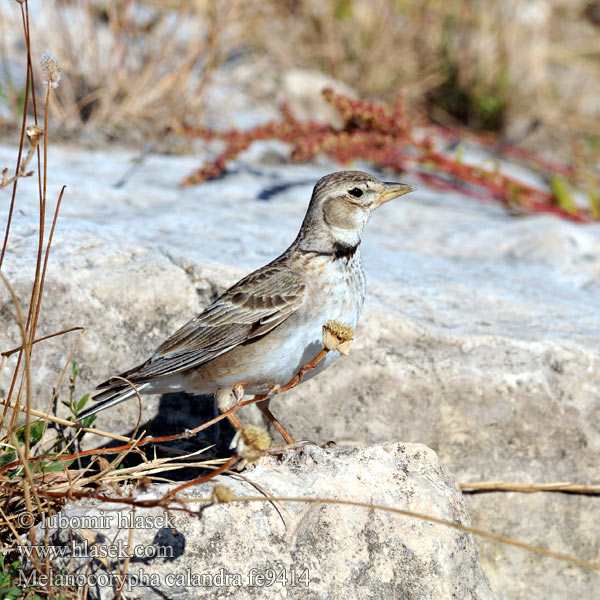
(163, 502)
(48, 417)
(8, 353)
(189, 432)
(28, 87)
(528, 488)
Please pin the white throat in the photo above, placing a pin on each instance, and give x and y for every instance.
(346, 237)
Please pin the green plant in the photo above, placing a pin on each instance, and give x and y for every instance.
(9, 573)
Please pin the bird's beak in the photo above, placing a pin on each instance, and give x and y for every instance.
(393, 190)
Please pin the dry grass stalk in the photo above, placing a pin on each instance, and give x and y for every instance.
(46, 416)
(25, 479)
(34, 134)
(528, 488)
(133, 72)
(142, 441)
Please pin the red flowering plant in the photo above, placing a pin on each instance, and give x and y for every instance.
(387, 137)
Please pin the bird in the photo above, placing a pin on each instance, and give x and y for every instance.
(262, 330)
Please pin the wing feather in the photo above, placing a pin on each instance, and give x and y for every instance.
(250, 309)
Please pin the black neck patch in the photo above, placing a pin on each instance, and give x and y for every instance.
(343, 251)
(339, 251)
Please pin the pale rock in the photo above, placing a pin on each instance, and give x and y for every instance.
(302, 89)
(309, 550)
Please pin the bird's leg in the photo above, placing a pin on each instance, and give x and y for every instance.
(336, 336)
(229, 397)
(264, 407)
(263, 402)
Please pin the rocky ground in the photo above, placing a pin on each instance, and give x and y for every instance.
(479, 337)
(292, 550)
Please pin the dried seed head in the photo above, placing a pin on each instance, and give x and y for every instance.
(221, 494)
(225, 399)
(228, 397)
(144, 483)
(34, 134)
(51, 69)
(337, 336)
(238, 391)
(102, 463)
(251, 443)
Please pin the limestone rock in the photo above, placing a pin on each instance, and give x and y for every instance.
(303, 550)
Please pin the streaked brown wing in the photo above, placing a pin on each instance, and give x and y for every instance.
(251, 308)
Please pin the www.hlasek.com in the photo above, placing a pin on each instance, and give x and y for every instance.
(284, 577)
(82, 549)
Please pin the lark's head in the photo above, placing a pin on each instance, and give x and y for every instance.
(340, 207)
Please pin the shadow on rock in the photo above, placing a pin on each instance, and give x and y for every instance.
(178, 412)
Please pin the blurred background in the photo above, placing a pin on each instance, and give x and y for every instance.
(138, 70)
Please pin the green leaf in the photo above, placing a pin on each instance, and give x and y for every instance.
(88, 421)
(342, 10)
(7, 574)
(36, 431)
(563, 195)
(21, 100)
(5, 459)
(57, 465)
(79, 405)
(594, 203)
(10, 593)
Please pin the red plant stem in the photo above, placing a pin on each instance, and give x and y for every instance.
(385, 135)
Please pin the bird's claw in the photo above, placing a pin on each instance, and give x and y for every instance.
(282, 448)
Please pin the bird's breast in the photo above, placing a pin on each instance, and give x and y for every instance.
(335, 288)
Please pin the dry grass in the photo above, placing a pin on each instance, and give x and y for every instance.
(135, 70)
(138, 69)
(40, 455)
(494, 65)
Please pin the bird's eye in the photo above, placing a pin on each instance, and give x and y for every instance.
(356, 192)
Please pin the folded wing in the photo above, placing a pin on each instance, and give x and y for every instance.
(250, 309)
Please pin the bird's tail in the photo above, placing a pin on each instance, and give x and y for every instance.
(117, 391)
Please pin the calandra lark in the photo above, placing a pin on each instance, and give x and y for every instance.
(262, 330)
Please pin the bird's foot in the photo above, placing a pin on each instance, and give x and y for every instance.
(283, 448)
